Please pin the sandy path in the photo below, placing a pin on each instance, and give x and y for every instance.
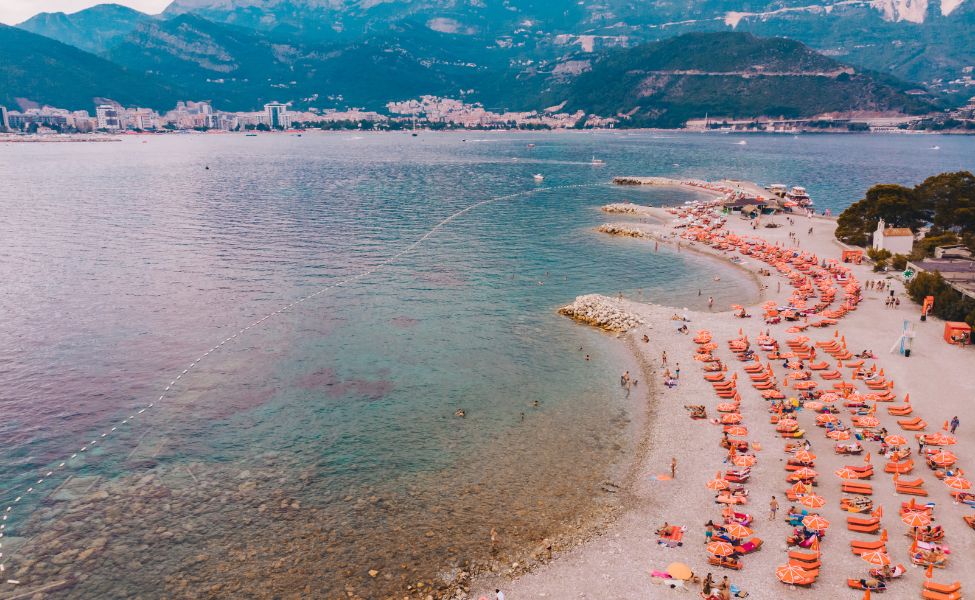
(617, 564)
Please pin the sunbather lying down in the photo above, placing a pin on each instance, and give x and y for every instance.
(697, 411)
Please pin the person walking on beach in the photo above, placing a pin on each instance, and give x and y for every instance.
(663, 358)
(710, 302)
(773, 507)
(954, 424)
(677, 371)
(673, 468)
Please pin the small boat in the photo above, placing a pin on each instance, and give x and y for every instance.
(741, 143)
(538, 177)
(935, 148)
(531, 145)
(799, 195)
(251, 135)
(597, 161)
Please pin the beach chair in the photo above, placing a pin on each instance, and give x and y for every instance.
(970, 519)
(804, 557)
(871, 525)
(900, 468)
(859, 547)
(752, 545)
(939, 591)
(910, 491)
(727, 563)
(915, 424)
(900, 411)
(820, 366)
(860, 489)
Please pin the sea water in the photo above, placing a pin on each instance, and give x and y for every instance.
(319, 452)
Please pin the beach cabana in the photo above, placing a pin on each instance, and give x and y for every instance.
(852, 256)
(958, 333)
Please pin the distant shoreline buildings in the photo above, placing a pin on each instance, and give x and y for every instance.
(431, 112)
(427, 111)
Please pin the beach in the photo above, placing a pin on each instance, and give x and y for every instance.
(618, 563)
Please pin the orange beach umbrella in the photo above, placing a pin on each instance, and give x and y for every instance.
(720, 548)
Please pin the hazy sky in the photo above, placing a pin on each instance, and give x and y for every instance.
(16, 11)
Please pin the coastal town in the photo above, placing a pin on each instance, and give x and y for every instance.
(430, 112)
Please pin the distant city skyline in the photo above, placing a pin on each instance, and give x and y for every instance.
(18, 11)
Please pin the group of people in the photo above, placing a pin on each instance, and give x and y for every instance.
(877, 284)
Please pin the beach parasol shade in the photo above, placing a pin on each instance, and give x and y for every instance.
(941, 439)
(827, 418)
(738, 531)
(791, 574)
(745, 460)
(721, 548)
(868, 421)
(805, 473)
(731, 418)
(895, 440)
(679, 571)
(829, 397)
(914, 518)
(737, 430)
(943, 458)
(788, 422)
(727, 407)
(957, 483)
(815, 522)
(799, 488)
(804, 456)
(838, 435)
(814, 405)
(846, 473)
(717, 484)
(812, 501)
(876, 557)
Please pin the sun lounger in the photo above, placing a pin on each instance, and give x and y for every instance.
(804, 557)
(863, 489)
(727, 563)
(911, 491)
(854, 364)
(970, 520)
(915, 424)
(858, 550)
(856, 585)
(900, 411)
(913, 483)
(820, 366)
(938, 591)
(752, 545)
(901, 468)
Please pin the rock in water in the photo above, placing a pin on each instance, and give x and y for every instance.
(602, 312)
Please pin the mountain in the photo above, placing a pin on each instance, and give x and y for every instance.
(240, 69)
(36, 69)
(913, 39)
(94, 29)
(729, 75)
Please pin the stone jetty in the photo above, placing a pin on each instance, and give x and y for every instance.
(601, 311)
(624, 208)
(622, 230)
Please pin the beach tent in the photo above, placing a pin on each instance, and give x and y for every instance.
(958, 333)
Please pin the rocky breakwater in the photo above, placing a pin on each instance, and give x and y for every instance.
(603, 312)
(622, 230)
(625, 208)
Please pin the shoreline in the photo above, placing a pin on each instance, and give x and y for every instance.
(615, 563)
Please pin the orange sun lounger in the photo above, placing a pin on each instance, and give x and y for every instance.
(915, 424)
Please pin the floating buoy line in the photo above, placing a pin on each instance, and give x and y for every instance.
(85, 447)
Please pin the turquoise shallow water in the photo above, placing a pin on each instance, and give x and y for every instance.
(123, 262)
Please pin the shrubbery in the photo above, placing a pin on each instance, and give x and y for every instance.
(949, 304)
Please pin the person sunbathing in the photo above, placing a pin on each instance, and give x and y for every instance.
(665, 531)
(872, 584)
